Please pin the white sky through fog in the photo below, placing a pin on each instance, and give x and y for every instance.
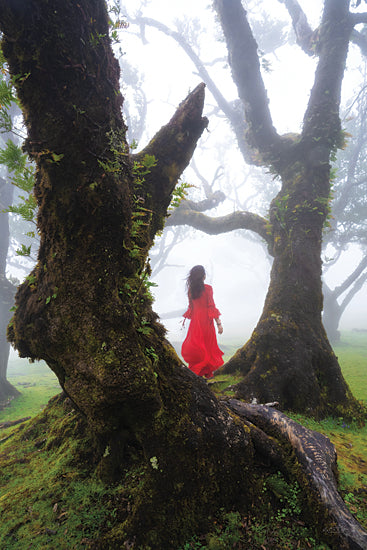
(238, 270)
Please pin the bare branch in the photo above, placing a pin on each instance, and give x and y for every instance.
(208, 187)
(352, 277)
(247, 75)
(360, 41)
(304, 33)
(222, 224)
(234, 113)
(360, 282)
(358, 18)
(210, 202)
(200, 66)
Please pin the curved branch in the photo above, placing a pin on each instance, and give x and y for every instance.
(207, 204)
(360, 41)
(208, 187)
(352, 278)
(360, 282)
(233, 111)
(222, 224)
(203, 73)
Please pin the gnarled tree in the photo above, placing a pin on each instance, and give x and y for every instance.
(86, 309)
(288, 357)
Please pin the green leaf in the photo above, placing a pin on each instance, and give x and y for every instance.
(6, 94)
(13, 157)
(57, 158)
(24, 250)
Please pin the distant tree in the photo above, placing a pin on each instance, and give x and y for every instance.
(348, 220)
(288, 357)
(8, 111)
(7, 292)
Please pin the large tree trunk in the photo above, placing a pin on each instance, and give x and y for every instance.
(289, 358)
(86, 310)
(7, 292)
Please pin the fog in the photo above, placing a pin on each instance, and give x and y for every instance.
(237, 265)
(238, 272)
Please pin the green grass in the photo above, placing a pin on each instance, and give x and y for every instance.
(350, 440)
(48, 500)
(352, 355)
(36, 383)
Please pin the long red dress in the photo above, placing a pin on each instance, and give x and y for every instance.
(200, 349)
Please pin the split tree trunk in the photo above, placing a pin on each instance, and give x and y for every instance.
(289, 358)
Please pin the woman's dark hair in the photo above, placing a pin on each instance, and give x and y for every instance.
(195, 282)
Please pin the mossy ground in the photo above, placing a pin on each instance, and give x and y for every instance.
(51, 499)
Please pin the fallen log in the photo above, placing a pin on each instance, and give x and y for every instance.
(317, 460)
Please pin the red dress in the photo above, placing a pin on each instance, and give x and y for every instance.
(200, 349)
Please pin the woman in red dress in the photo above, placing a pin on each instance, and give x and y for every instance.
(200, 349)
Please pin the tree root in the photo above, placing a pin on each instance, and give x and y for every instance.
(4, 425)
(317, 460)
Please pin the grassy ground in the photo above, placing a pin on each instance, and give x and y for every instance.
(36, 383)
(74, 514)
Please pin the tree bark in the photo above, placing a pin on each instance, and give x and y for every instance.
(289, 358)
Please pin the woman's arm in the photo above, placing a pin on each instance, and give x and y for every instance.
(219, 325)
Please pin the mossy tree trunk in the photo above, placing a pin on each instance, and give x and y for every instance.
(86, 308)
(289, 358)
